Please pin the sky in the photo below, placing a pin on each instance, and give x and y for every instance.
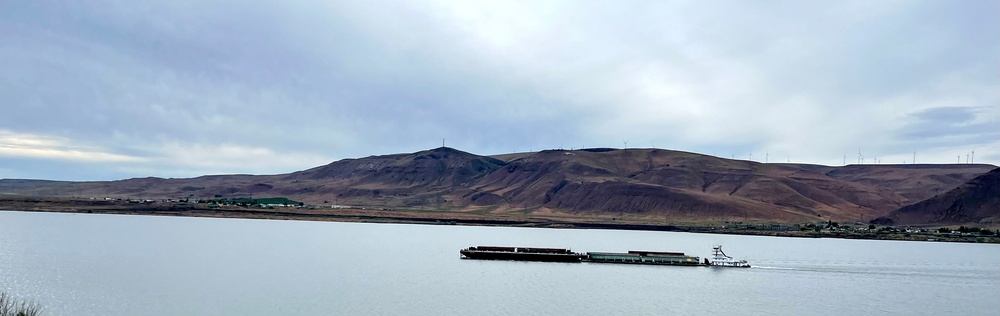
(104, 90)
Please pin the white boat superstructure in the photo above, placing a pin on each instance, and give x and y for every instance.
(720, 259)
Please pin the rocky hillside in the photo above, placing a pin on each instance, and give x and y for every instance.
(653, 183)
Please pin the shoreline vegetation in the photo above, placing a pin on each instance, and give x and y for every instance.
(10, 306)
(292, 210)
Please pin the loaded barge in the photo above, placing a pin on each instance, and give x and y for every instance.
(521, 254)
(644, 257)
(566, 255)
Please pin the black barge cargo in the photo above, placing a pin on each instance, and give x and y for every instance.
(521, 254)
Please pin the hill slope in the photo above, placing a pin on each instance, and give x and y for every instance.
(656, 182)
(652, 183)
(976, 201)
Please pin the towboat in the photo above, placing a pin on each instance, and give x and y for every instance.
(720, 259)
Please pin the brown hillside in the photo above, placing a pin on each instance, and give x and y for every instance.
(657, 182)
(976, 201)
(652, 183)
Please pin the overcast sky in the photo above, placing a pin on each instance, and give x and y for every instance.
(101, 90)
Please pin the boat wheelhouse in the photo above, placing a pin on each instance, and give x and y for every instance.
(720, 259)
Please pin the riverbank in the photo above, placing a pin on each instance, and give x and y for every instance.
(446, 217)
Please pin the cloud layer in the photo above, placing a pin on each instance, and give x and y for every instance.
(184, 88)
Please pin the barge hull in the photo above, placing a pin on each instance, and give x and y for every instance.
(521, 256)
(684, 264)
(644, 257)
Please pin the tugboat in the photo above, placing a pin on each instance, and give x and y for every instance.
(720, 259)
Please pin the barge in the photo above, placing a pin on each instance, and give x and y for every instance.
(521, 254)
(719, 259)
(644, 257)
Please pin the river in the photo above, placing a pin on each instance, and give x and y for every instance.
(89, 264)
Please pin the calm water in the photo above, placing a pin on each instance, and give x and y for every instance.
(76, 264)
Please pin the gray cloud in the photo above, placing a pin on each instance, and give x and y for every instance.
(305, 82)
(953, 122)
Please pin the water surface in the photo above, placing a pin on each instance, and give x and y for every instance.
(88, 264)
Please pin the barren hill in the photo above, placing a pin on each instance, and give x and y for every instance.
(656, 182)
(652, 183)
(976, 201)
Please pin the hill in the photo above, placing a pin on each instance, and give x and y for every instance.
(976, 201)
(604, 182)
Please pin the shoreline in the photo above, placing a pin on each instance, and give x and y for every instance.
(446, 218)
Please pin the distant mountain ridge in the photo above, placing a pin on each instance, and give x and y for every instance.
(653, 183)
